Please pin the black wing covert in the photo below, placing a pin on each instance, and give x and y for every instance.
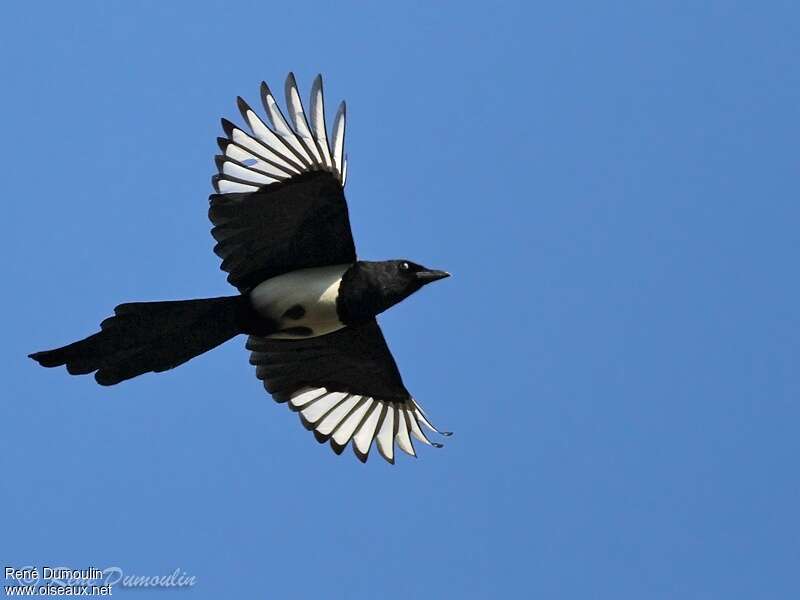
(346, 386)
(280, 202)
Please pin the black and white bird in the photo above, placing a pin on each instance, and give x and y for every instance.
(307, 304)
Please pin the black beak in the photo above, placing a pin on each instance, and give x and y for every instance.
(429, 276)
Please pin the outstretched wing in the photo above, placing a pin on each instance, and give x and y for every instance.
(346, 386)
(280, 202)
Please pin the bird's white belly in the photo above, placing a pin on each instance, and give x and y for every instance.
(314, 291)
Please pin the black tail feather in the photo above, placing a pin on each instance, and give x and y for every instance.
(149, 336)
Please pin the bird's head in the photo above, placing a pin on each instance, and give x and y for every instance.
(401, 278)
(370, 287)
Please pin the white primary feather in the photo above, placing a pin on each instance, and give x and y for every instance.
(297, 116)
(363, 437)
(266, 151)
(403, 441)
(245, 174)
(318, 121)
(337, 415)
(282, 128)
(342, 418)
(233, 187)
(338, 140)
(270, 138)
(421, 418)
(345, 431)
(273, 153)
(254, 161)
(386, 434)
(314, 411)
(306, 395)
(415, 430)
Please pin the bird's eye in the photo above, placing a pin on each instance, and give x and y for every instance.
(404, 266)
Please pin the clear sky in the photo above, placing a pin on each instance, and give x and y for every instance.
(614, 187)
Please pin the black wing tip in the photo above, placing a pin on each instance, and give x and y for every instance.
(306, 423)
(223, 143)
(316, 86)
(362, 457)
(386, 458)
(219, 160)
(337, 448)
(243, 106)
(227, 126)
(264, 92)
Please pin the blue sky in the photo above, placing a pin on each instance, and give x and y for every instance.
(613, 185)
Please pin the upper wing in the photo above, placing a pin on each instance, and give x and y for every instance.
(345, 385)
(280, 202)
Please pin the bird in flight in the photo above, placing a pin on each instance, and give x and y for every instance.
(305, 301)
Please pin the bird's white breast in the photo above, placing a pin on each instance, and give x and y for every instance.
(315, 290)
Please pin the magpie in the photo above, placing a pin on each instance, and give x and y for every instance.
(307, 304)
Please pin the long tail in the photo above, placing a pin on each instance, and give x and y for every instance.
(149, 336)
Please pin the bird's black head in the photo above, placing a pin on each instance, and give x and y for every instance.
(369, 288)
